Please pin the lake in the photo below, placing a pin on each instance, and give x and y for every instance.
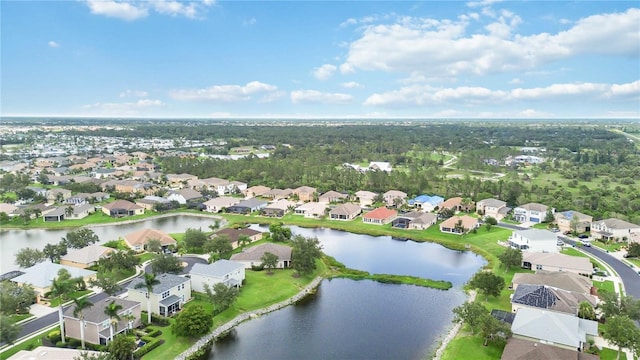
(349, 319)
(11, 241)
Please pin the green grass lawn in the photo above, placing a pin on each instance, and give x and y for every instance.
(573, 252)
(20, 317)
(259, 290)
(610, 354)
(607, 286)
(146, 257)
(27, 345)
(634, 261)
(612, 247)
(467, 346)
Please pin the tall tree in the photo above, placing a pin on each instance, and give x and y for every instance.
(194, 238)
(149, 282)
(153, 246)
(279, 232)
(613, 304)
(269, 260)
(586, 311)
(81, 304)
(112, 310)
(108, 284)
(77, 239)
(488, 283)
(27, 257)
(60, 287)
(192, 321)
(165, 263)
(243, 240)
(621, 331)
(470, 313)
(55, 251)
(15, 298)
(10, 330)
(492, 329)
(221, 295)
(511, 257)
(219, 248)
(304, 253)
(121, 347)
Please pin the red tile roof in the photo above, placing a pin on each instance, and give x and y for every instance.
(380, 213)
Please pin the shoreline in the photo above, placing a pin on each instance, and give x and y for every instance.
(207, 341)
(452, 333)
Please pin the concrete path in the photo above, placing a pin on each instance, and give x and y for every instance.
(38, 310)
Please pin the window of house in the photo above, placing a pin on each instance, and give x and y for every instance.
(105, 324)
(165, 294)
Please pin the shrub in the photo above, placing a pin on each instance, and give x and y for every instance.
(60, 344)
(257, 267)
(155, 320)
(74, 343)
(139, 353)
(54, 336)
(155, 333)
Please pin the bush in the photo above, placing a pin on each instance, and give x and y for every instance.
(74, 343)
(54, 336)
(139, 353)
(155, 333)
(155, 320)
(60, 344)
(257, 267)
(95, 347)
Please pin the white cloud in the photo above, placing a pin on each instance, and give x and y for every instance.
(133, 93)
(515, 81)
(117, 9)
(136, 9)
(124, 108)
(482, 3)
(351, 85)
(249, 22)
(53, 44)
(324, 72)
(444, 48)
(225, 93)
(531, 113)
(425, 95)
(317, 97)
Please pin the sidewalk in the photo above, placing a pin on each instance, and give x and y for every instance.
(38, 310)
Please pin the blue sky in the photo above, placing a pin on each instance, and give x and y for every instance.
(357, 59)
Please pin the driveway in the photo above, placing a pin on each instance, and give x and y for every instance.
(514, 227)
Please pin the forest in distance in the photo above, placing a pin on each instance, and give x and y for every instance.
(590, 166)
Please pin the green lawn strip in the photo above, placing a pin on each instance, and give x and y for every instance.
(26, 345)
(574, 252)
(76, 294)
(400, 279)
(606, 285)
(611, 247)
(259, 291)
(634, 261)
(467, 346)
(20, 317)
(611, 354)
(146, 257)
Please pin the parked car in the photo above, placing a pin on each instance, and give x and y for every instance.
(583, 236)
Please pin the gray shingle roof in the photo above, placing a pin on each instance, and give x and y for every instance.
(552, 326)
(255, 253)
(218, 269)
(167, 281)
(95, 314)
(41, 275)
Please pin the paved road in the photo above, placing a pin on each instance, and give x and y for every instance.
(511, 226)
(629, 276)
(189, 260)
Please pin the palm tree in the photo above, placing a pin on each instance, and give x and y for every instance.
(149, 281)
(112, 312)
(59, 288)
(130, 318)
(80, 305)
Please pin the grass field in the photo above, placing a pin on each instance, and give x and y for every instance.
(574, 252)
(467, 346)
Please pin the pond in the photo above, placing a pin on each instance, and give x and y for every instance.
(349, 319)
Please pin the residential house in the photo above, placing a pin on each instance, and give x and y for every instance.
(365, 198)
(531, 212)
(138, 240)
(562, 280)
(223, 271)
(457, 204)
(519, 349)
(247, 206)
(52, 353)
(277, 194)
(86, 256)
(305, 193)
(8, 209)
(55, 215)
(534, 240)
(380, 166)
(220, 186)
(97, 324)
(237, 187)
(120, 208)
(549, 298)
(415, 220)
(332, 197)
(494, 208)
(613, 229)
(345, 212)
(426, 202)
(166, 298)
(234, 235)
(100, 196)
(311, 210)
(459, 225)
(380, 216)
(183, 196)
(278, 208)
(253, 256)
(220, 203)
(151, 202)
(52, 195)
(394, 198)
(81, 211)
(256, 191)
(566, 221)
(42, 274)
(553, 328)
(135, 187)
(103, 173)
(38, 191)
(557, 262)
(179, 180)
